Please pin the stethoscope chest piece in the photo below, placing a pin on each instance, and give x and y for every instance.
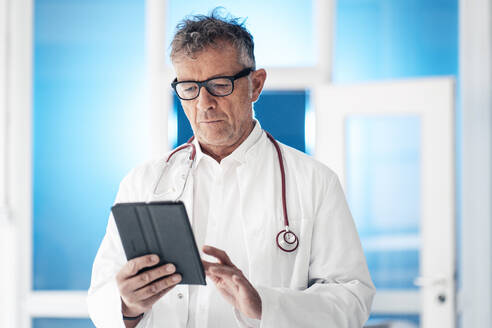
(287, 240)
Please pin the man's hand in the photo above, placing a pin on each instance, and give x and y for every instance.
(232, 284)
(140, 291)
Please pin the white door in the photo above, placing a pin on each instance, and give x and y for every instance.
(392, 145)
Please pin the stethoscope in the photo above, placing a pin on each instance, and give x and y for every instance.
(286, 239)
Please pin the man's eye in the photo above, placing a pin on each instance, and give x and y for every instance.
(189, 88)
(220, 85)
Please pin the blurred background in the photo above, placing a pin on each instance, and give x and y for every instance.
(394, 95)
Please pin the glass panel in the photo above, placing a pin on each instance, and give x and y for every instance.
(383, 191)
(276, 32)
(282, 113)
(382, 39)
(61, 323)
(88, 128)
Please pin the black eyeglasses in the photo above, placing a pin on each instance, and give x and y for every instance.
(219, 86)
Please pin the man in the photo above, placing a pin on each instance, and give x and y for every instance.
(234, 202)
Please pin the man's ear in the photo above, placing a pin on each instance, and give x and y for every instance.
(258, 81)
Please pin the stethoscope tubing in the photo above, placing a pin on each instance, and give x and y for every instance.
(282, 239)
(282, 174)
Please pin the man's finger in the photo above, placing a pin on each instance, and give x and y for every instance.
(133, 266)
(218, 253)
(223, 271)
(156, 287)
(225, 275)
(206, 264)
(150, 301)
(209, 266)
(224, 281)
(147, 277)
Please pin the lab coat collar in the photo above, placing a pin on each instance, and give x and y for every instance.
(239, 154)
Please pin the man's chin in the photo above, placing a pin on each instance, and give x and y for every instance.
(216, 140)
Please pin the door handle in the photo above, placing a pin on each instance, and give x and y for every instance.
(433, 282)
(429, 281)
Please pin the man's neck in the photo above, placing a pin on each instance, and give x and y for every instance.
(220, 152)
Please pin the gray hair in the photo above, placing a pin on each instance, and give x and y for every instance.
(196, 33)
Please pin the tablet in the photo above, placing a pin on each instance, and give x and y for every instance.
(160, 228)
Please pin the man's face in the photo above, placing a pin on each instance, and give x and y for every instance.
(219, 121)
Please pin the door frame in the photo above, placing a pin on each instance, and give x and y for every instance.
(16, 158)
(475, 60)
(432, 99)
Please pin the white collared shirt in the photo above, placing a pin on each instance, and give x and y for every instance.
(216, 223)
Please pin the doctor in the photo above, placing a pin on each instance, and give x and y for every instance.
(233, 196)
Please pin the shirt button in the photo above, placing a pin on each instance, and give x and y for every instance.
(180, 295)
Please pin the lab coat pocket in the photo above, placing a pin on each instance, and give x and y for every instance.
(170, 183)
(166, 189)
(271, 266)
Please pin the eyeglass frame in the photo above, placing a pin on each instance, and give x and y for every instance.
(243, 73)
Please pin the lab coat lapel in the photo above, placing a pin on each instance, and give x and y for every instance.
(183, 180)
(172, 182)
(260, 209)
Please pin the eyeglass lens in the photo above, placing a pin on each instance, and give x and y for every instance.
(216, 87)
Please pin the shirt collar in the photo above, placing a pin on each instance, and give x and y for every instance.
(239, 154)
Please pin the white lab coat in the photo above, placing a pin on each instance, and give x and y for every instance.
(324, 283)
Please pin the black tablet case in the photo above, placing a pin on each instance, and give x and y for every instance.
(160, 228)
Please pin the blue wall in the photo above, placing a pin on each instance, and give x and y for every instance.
(89, 83)
(390, 39)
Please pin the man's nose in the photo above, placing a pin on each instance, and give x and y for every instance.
(205, 100)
